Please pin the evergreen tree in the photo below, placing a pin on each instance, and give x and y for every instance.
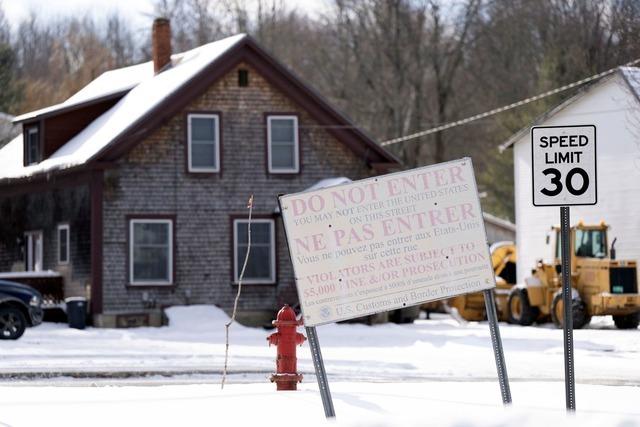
(10, 89)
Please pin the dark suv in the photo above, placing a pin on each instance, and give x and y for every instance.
(20, 306)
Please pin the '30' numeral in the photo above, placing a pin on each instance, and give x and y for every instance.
(557, 182)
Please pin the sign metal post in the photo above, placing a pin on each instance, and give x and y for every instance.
(496, 341)
(570, 381)
(564, 173)
(321, 374)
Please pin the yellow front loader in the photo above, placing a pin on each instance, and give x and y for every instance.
(601, 284)
(471, 306)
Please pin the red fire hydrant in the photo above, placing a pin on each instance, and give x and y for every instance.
(286, 376)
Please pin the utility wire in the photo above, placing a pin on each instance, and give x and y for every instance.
(505, 107)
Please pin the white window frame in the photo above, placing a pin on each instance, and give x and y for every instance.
(31, 130)
(64, 227)
(167, 282)
(296, 145)
(272, 243)
(191, 168)
(36, 258)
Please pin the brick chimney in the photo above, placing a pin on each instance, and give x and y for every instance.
(160, 43)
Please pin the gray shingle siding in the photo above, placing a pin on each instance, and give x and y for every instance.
(152, 179)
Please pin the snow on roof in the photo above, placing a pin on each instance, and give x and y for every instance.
(329, 182)
(500, 222)
(25, 274)
(150, 91)
(108, 83)
(323, 183)
(113, 82)
(11, 157)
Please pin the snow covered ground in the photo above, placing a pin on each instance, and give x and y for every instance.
(432, 372)
(356, 403)
(438, 349)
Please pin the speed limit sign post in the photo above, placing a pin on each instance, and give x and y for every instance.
(563, 160)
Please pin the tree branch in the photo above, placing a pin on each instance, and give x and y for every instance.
(235, 303)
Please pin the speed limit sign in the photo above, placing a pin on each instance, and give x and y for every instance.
(564, 174)
(564, 165)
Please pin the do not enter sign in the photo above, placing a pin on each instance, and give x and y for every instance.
(564, 165)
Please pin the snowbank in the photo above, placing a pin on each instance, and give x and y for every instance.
(196, 317)
(357, 405)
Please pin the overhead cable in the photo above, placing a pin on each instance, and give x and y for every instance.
(505, 107)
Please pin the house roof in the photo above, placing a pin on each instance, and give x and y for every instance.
(631, 76)
(150, 99)
(499, 222)
(108, 84)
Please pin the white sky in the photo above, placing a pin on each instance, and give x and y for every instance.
(133, 10)
(138, 12)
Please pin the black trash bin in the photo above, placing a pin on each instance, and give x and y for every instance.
(77, 312)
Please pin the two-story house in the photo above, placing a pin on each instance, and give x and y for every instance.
(136, 187)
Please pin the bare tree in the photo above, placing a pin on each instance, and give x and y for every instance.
(400, 60)
(119, 40)
(5, 27)
(58, 58)
(394, 66)
(196, 22)
(446, 53)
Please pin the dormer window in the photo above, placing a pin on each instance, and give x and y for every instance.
(32, 151)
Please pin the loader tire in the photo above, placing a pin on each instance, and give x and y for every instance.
(630, 321)
(578, 308)
(519, 310)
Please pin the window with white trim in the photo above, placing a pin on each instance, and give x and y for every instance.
(33, 146)
(261, 266)
(150, 251)
(283, 147)
(63, 244)
(203, 139)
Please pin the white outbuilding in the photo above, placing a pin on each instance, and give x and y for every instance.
(613, 106)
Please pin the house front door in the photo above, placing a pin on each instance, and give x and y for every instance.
(33, 251)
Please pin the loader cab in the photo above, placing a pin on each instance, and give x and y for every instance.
(586, 242)
(590, 261)
(590, 242)
(589, 255)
